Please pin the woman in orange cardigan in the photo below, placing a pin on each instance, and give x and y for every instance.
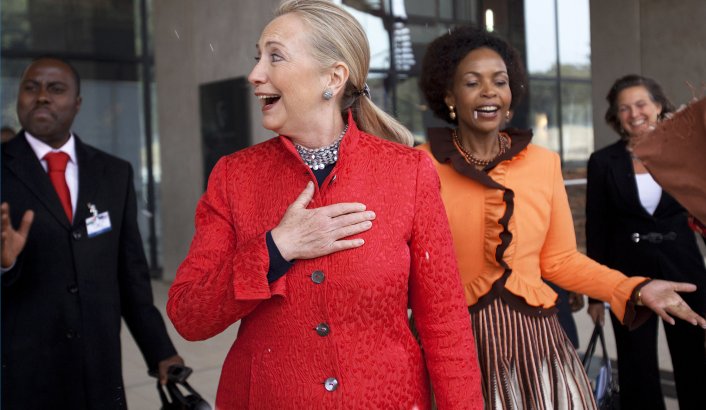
(512, 226)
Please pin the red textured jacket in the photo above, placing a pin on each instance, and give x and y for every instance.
(279, 359)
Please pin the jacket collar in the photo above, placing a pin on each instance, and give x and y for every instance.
(22, 161)
(41, 149)
(623, 174)
(348, 143)
(444, 150)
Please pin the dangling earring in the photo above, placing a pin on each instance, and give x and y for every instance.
(328, 94)
(452, 113)
(507, 115)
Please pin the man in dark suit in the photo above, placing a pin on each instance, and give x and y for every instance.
(75, 264)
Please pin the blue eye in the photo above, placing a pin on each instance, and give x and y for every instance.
(275, 58)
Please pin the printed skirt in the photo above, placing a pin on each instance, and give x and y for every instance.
(527, 362)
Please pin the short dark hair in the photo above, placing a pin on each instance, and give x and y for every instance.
(444, 54)
(634, 80)
(74, 71)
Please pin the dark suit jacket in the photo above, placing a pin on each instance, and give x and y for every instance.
(614, 213)
(63, 300)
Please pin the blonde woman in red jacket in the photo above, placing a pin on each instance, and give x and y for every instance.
(319, 239)
(512, 227)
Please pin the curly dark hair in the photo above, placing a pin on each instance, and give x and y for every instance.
(633, 80)
(444, 54)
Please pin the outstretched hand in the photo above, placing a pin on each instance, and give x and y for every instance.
(13, 241)
(309, 233)
(661, 296)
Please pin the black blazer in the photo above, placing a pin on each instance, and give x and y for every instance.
(63, 300)
(614, 213)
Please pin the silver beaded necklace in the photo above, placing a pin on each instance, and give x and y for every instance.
(318, 158)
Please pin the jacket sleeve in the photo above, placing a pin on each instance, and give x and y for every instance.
(599, 219)
(220, 281)
(136, 302)
(437, 300)
(11, 274)
(562, 264)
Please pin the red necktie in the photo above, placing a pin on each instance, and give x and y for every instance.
(56, 162)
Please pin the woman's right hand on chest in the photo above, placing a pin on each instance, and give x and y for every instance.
(309, 233)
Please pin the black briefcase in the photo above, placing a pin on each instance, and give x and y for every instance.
(177, 394)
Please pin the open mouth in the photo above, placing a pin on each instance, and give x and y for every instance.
(638, 123)
(486, 111)
(268, 100)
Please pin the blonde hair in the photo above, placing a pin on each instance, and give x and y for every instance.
(336, 36)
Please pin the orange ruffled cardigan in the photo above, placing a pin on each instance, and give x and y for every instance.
(543, 242)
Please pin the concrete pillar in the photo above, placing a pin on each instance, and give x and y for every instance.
(196, 43)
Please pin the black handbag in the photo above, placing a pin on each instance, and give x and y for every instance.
(177, 394)
(600, 373)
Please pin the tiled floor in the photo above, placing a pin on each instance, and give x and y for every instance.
(207, 356)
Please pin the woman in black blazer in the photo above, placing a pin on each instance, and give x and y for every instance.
(635, 227)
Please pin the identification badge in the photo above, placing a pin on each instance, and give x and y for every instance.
(97, 223)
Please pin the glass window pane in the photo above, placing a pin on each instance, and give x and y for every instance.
(424, 8)
(575, 73)
(575, 50)
(15, 24)
(446, 9)
(543, 113)
(467, 10)
(575, 34)
(11, 72)
(540, 36)
(69, 26)
(409, 107)
(378, 37)
(577, 120)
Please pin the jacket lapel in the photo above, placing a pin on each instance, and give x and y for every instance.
(90, 172)
(25, 165)
(624, 178)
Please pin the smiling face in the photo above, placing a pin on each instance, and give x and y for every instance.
(48, 101)
(480, 92)
(636, 110)
(288, 80)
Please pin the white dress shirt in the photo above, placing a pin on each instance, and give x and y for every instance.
(41, 149)
(649, 191)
